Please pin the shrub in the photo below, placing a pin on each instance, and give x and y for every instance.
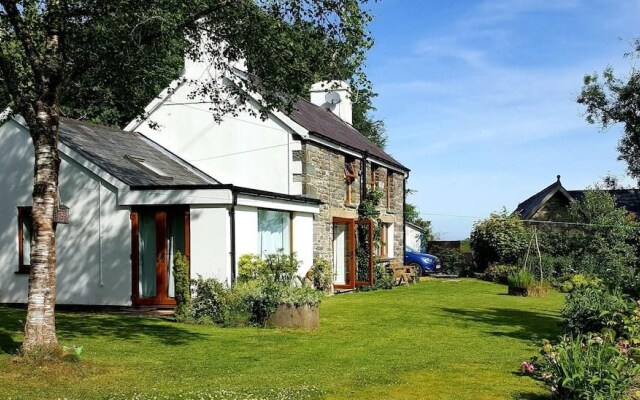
(501, 238)
(300, 296)
(211, 301)
(182, 287)
(250, 266)
(381, 278)
(520, 279)
(585, 367)
(592, 308)
(454, 261)
(322, 275)
(260, 298)
(499, 273)
(579, 281)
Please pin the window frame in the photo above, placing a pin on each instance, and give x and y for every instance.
(23, 212)
(290, 226)
(349, 177)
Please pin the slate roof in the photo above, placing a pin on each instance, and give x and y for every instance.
(326, 124)
(527, 208)
(116, 152)
(626, 198)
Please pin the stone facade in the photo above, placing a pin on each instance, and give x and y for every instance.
(323, 177)
(555, 209)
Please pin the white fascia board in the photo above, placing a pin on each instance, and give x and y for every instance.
(174, 197)
(342, 149)
(276, 204)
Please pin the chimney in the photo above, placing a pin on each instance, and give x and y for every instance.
(334, 96)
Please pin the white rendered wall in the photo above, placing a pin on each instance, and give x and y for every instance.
(247, 235)
(93, 249)
(413, 237)
(242, 150)
(210, 244)
(303, 240)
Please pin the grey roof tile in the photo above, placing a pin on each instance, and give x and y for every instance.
(321, 122)
(116, 151)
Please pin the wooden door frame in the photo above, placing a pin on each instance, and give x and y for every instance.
(161, 213)
(351, 284)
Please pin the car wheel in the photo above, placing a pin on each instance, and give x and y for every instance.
(417, 267)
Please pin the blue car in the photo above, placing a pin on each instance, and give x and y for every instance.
(426, 264)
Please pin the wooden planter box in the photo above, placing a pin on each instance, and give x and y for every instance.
(513, 291)
(295, 317)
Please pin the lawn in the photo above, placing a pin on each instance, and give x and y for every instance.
(439, 339)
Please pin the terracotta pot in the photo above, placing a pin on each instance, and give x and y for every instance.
(304, 317)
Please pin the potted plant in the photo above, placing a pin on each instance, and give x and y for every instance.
(519, 282)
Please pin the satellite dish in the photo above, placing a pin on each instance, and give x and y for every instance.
(333, 98)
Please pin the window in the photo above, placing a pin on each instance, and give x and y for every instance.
(25, 228)
(349, 177)
(385, 249)
(274, 232)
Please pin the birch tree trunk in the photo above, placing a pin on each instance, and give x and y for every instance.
(40, 325)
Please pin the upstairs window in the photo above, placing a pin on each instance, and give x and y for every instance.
(349, 177)
(25, 229)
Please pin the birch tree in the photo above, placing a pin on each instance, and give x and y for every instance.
(57, 55)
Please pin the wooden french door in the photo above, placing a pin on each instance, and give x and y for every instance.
(157, 233)
(344, 253)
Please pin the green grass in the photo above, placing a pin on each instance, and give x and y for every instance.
(434, 340)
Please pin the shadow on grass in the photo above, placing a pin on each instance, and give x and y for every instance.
(531, 396)
(71, 326)
(517, 324)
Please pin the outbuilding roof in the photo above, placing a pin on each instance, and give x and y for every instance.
(326, 124)
(130, 157)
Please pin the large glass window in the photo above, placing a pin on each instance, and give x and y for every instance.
(274, 232)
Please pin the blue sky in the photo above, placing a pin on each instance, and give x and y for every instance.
(479, 98)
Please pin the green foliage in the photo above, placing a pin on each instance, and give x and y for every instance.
(322, 272)
(262, 285)
(499, 273)
(521, 278)
(363, 120)
(611, 100)
(119, 55)
(182, 287)
(591, 308)
(250, 267)
(211, 302)
(282, 267)
(300, 296)
(579, 281)
(501, 238)
(453, 261)
(381, 279)
(585, 367)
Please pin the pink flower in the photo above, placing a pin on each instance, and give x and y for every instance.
(527, 367)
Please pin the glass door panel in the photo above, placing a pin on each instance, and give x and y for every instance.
(343, 254)
(175, 243)
(147, 285)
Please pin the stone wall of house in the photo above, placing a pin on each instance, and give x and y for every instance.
(323, 178)
(555, 209)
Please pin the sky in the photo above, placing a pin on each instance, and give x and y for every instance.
(478, 98)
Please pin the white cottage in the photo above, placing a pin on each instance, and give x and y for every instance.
(132, 205)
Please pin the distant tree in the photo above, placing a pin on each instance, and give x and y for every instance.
(103, 60)
(364, 120)
(610, 100)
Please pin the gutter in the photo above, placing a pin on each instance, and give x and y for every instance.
(232, 221)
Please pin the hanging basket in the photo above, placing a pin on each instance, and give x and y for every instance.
(61, 214)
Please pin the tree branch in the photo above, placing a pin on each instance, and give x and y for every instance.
(22, 33)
